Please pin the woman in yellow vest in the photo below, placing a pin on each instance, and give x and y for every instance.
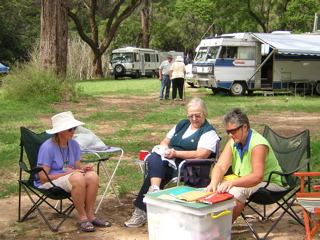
(251, 158)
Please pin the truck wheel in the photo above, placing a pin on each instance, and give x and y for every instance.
(119, 68)
(316, 89)
(153, 74)
(237, 89)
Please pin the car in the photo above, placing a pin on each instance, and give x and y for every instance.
(3, 68)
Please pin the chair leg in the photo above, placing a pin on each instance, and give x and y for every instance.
(36, 206)
(109, 183)
(250, 226)
(285, 210)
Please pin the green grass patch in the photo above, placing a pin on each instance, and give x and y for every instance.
(136, 126)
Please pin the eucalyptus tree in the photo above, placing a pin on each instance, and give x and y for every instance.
(54, 36)
(102, 15)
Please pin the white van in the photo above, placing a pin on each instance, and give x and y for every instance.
(240, 62)
(136, 62)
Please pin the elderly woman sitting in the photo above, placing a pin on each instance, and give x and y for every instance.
(60, 156)
(190, 138)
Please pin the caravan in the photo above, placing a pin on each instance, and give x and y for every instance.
(240, 62)
(136, 62)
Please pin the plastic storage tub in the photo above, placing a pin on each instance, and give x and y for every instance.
(187, 221)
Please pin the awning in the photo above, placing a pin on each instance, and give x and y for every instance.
(301, 44)
(3, 68)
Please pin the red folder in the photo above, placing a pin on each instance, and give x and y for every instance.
(215, 198)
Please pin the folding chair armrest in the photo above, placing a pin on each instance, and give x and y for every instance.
(302, 165)
(25, 168)
(95, 160)
(307, 174)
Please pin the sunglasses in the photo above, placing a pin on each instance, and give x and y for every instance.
(72, 129)
(233, 131)
(194, 115)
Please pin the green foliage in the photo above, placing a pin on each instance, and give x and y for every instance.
(28, 83)
(20, 28)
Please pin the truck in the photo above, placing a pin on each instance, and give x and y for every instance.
(237, 63)
(138, 62)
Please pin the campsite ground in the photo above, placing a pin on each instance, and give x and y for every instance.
(36, 229)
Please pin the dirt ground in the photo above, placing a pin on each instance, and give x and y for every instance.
(110, 209)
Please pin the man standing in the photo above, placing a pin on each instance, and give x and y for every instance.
(164, 71)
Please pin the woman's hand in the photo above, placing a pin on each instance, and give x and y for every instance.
(225, 186)
(88, 167)
(210, 188)
(171, 153)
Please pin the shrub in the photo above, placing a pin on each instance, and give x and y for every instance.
(29, 83)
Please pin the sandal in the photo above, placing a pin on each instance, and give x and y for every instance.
(100, 223)
(85, 225)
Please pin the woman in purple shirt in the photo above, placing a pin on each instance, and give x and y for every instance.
(60, 156)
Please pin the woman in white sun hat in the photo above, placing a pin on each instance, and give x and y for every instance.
(60, 156)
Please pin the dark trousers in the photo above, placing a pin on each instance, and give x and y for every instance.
(177, 83)
(156, 168)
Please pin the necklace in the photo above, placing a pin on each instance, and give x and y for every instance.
(65, 160)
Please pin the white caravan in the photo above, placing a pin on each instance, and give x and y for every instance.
(136, 62)
(240, 62)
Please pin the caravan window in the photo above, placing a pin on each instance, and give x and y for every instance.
(121, 57)
(247, 52)
(147, 57)
(136, 57)
(201, 54)
(228, 52)
(212, 53)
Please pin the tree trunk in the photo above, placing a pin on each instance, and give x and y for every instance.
(54, 36)
(145, 18)
(97, 66)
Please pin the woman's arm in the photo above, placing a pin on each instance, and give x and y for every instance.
(200, 153)
(258, 157)
(220, 168)
(44, 179)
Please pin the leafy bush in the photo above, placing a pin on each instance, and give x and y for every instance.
(29, 83)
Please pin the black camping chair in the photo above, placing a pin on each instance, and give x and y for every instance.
(293, 154)
(30, 143)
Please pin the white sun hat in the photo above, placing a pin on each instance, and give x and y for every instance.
(179, 59)
(63, 121)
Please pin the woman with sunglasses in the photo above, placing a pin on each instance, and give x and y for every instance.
(251, 158)
(190, 139)
(60, 156)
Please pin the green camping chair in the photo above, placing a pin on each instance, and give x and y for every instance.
(293, 154)
(30, 143)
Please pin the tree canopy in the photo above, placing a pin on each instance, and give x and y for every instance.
(172, 25)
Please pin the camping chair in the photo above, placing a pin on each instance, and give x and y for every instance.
(192, 172)
(30, 143)
(196, 172)
(310, 202)
(92, 144)
(293, 154)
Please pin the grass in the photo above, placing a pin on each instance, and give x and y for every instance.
(138, 126)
